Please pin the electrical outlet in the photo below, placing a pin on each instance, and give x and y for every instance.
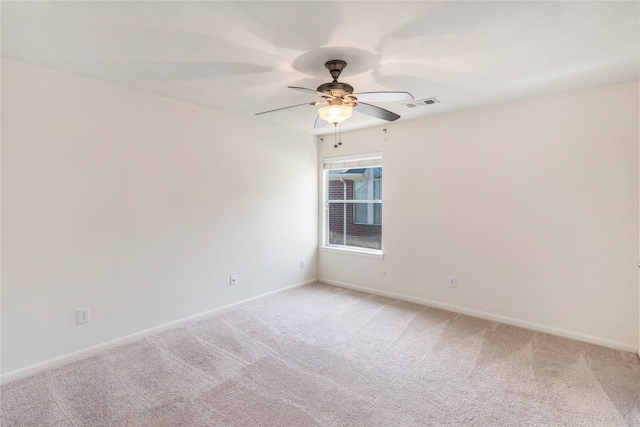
(232, 279)
(452, 282)
(84, 315)
(301, 263)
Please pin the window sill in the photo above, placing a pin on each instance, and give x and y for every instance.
(368, 253)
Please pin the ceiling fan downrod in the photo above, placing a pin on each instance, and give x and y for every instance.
(335, 67)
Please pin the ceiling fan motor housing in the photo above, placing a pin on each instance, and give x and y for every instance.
(335, 88)
(338, 89)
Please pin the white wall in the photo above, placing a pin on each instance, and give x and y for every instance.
(533, 206)
(140, 208)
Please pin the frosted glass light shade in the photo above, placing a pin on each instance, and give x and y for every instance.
(335, 113)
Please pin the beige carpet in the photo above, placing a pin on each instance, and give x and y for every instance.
(326, 356)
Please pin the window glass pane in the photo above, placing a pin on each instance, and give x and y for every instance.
(377, 214)
(336, 223)
(361, 213)
(377, 173)
(354, 224)
(336, 190)
(349, 233)
(361, 190)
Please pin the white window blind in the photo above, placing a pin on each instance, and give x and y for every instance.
(353, 161)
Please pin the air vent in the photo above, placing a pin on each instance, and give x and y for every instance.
(421, 102)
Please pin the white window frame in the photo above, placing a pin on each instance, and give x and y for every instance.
(347, 162)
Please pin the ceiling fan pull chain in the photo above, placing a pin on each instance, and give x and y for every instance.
(335, 135)
(340, 134)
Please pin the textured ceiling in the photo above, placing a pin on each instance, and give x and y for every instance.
(239, 57)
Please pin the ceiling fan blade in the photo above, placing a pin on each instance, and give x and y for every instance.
(311, 91)
(319, 123)
(378, 112)
(383, 96)
(284, 108)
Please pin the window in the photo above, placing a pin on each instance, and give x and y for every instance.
(353, 202)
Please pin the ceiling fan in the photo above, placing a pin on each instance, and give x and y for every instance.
(339, 100)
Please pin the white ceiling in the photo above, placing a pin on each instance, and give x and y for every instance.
(239, 57)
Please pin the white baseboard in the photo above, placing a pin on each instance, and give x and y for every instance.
(90, 351)
(489, 316)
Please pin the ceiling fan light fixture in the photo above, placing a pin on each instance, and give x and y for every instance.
(335, 113)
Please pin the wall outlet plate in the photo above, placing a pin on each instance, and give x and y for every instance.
(452, 282)
(84, 315)
(232, 279)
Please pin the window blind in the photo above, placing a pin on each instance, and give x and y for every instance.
(353, 161)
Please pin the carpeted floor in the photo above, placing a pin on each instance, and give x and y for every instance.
(326, 356)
